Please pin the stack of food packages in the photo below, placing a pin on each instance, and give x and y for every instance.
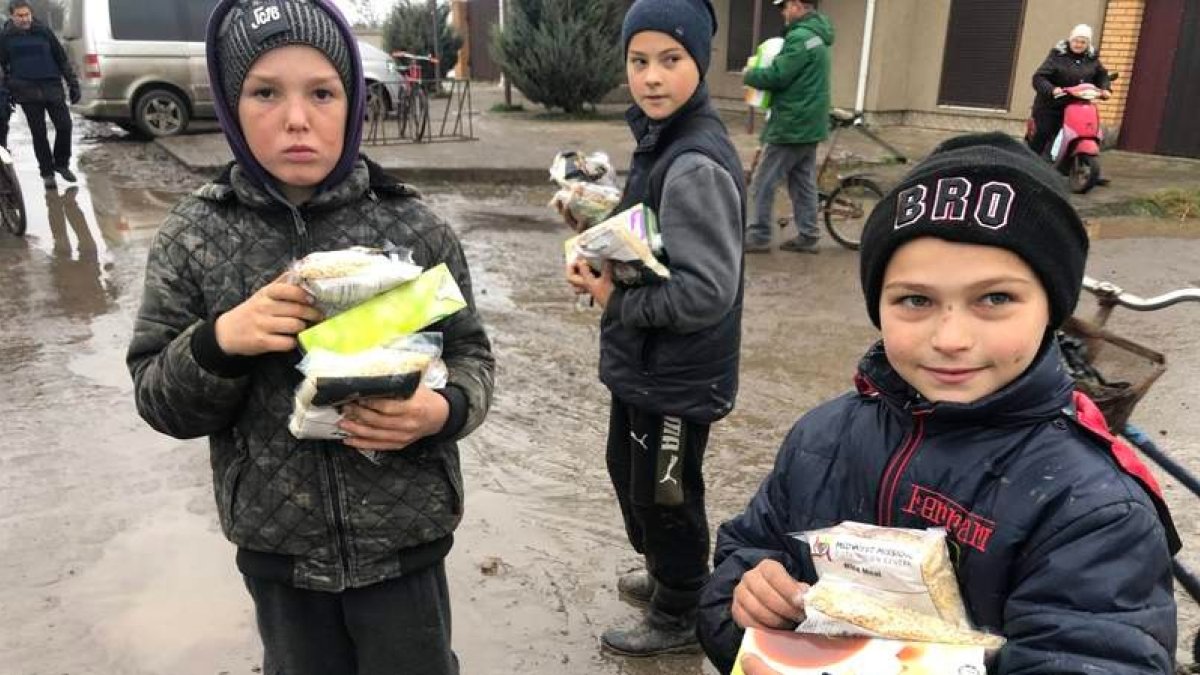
(370, 344)
(886, 602)
(587, 187)
(630, 239)
(763, 57)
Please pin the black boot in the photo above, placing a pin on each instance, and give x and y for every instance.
(636, 588)
(669, 626)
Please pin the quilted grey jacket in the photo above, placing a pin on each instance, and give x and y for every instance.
(339, 520)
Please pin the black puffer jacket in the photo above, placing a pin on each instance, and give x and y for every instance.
(1064, 68)
(315, 514)
(1059, 539)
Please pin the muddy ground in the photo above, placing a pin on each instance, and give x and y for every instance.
(110, 556)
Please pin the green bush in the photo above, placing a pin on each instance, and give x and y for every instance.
(409, 27)
(561, 53)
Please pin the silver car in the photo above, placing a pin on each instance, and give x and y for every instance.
(142, 64)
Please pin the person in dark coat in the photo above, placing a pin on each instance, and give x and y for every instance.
(1072, 61)
(964, 418)
(35, 66)
(343, 556)
(669, 350)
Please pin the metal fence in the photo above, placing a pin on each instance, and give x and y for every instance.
(426, 111)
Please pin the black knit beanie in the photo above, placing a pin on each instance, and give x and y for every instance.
(982, 189)
(692, 22)
(255, 27)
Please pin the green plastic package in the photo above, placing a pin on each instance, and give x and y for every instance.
(404, 310)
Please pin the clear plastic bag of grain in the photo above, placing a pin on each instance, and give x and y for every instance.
(890, 582)
(339, 280)
(332, 380)
(907, 567)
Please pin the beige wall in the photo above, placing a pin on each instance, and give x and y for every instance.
(907, 52)
(847, 17)
(909, 45)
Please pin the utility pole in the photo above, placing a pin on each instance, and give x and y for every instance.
(437, 43)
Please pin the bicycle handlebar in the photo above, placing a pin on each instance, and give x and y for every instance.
(1110, 294)
(414, 57)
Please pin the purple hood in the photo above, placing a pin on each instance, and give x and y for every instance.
(227, 116)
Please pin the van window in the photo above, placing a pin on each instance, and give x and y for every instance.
(140, 20)
(73, 20)
(195, 18)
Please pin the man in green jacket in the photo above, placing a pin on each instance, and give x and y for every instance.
(798, 80)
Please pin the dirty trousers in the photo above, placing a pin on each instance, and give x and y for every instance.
(397, 626)
(655, 465)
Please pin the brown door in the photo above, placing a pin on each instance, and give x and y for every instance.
(481, 16)
(981, 53)
(1180, 133)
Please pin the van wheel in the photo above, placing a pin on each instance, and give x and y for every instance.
(159, 112)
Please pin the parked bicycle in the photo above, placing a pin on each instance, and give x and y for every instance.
(1116, 373)
(12, 202)
(413, 107)
(846, 207)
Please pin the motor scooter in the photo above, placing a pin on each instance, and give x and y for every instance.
(1075, 151)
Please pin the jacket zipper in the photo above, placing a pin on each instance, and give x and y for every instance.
(899, 462)
(335, 495)
(338, 514)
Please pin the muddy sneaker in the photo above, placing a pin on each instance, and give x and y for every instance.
(636, 588)
(800, 245)
(656, 634)
(756, 245)
(67, 174)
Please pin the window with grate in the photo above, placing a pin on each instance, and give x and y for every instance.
(981, 53)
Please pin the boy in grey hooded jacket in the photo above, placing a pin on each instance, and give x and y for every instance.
(343, 556)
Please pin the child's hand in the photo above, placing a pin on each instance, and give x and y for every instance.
(752, 665)
(394, 424)
(768, 597)
(267, 321)
(584, 279)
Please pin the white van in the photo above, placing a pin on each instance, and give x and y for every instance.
(141, 63)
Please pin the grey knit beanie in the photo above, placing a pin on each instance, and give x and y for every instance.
(692, 23)
(239, 31)
(254, 27)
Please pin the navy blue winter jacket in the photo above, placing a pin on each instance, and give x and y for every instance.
(35, 64)
(1060, 541)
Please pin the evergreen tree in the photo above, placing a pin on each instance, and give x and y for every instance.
(409, 27)
(561, 53)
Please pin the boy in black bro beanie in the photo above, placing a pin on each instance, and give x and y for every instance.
(963, 418)
(984, 189)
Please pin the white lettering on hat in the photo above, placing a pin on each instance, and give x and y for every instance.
(911, 205)
(950, 200)
(995, 205)
(264, 16)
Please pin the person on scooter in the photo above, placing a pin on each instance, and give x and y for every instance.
(1072, 61)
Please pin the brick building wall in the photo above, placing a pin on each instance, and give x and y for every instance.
(1118, 49)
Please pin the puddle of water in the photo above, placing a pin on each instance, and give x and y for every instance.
(164, 598)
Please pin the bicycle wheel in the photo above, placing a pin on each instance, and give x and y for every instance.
(847, 209)
(419, 113)
(12, 202)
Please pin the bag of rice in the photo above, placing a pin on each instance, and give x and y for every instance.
(908, 568)
(339, 280)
